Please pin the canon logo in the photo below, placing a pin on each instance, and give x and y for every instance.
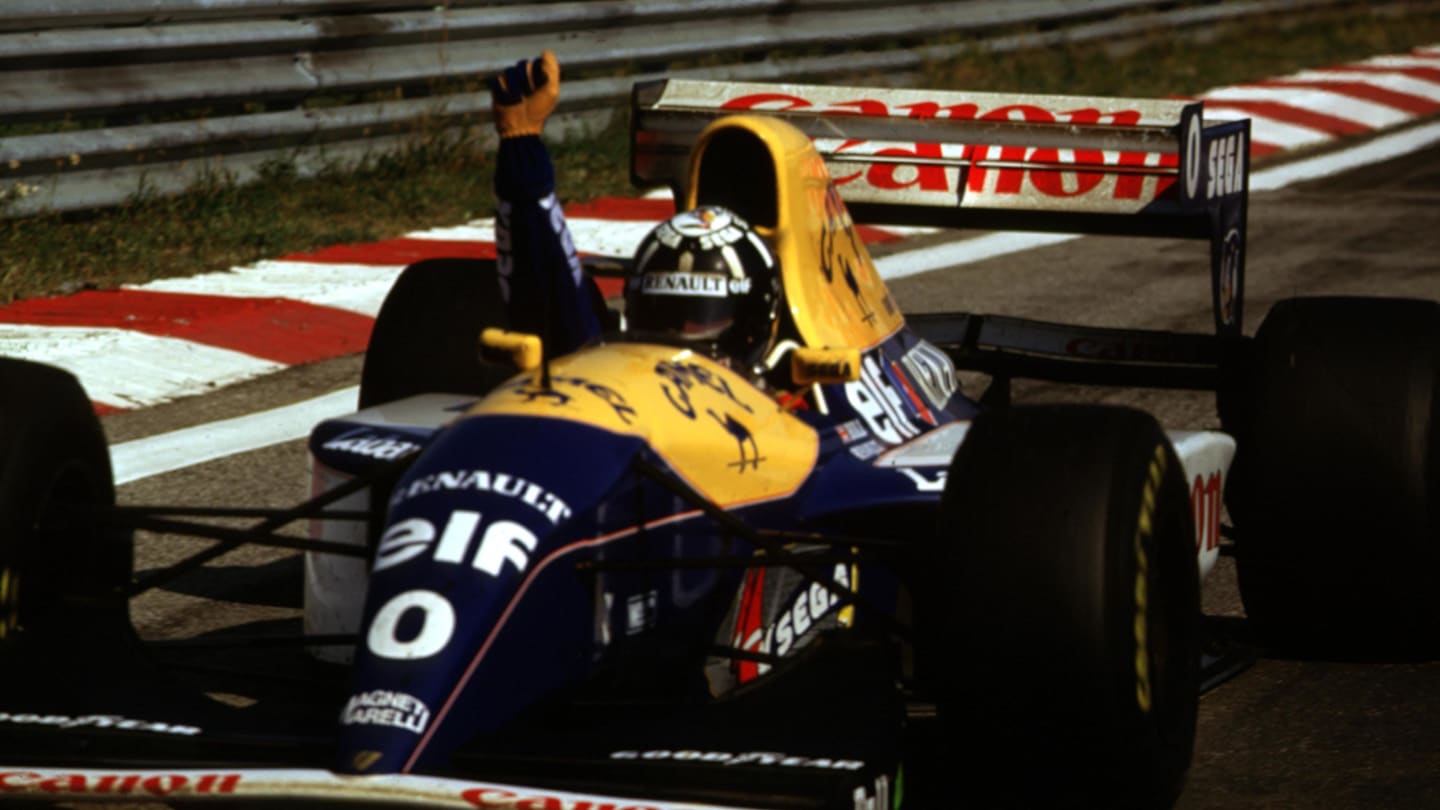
(1085, 171)
(495, 797)
(118, 784)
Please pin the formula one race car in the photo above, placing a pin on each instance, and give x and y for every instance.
(630, 578)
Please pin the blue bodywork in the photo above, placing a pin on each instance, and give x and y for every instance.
(484, 599)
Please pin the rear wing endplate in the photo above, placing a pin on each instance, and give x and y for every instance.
(993, 161)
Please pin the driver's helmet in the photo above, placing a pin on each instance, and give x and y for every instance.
(705, 278)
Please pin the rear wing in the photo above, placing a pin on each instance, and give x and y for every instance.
(992, 161)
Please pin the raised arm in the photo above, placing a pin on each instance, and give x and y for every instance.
(541, 276)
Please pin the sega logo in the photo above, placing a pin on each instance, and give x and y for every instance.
(1226, 175)
(806, 609)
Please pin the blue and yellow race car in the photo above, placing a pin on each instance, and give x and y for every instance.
(632, 576)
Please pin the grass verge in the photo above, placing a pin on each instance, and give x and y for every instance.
(437, 180)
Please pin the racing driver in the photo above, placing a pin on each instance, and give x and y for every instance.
(703, 279)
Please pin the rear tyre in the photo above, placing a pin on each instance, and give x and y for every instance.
(1336, 485)
(1067, 596)
(63, 574)
(427, 336)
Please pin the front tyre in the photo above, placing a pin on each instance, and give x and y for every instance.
(63, 574)
(1068, 594)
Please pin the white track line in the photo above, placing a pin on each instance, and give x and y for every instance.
(166, 452)
(966, 251)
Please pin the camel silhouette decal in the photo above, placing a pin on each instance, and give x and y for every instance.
(749, 450)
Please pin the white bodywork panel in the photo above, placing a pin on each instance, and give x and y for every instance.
(335, 585)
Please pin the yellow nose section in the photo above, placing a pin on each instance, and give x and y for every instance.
(729, 440)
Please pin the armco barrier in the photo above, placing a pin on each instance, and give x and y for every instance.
(232, 82)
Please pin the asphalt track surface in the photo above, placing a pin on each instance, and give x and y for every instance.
(1284, 734)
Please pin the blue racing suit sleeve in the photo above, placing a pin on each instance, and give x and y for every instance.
(541, 277)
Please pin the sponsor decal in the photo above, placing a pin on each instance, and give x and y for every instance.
(866, 451)
(805, 610)
(370, 444)
(879, 404)
(1206, 501)
(531, 391)
(1226, 163)
(1000, 180)
(933, 482)
(499, 797)
(916, 403)
(807, 369)
(382, 707)
(436, 625)
(1229, 275)
(503, 541)
(680, 379)
(876, 799)
(748, 448)
(1119, 349)
(852, 431)
(714, 227)
(1144, 528)
(504, 254)
(841, 253)
(703, 285)
(1192, 158)
(726, 758)
(932, 371)
(134, 784)
(542, 500)
(103, 721)
(640, 612)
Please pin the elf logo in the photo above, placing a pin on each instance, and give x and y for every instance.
(882, 407)
(501, 542)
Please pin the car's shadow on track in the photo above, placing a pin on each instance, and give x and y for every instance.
(272, 584)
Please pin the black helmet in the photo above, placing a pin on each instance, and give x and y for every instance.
(705, 277)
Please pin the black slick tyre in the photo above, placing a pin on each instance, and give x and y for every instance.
(426, 338)
(63, 574)
(1336, 485)
(1064, 610)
